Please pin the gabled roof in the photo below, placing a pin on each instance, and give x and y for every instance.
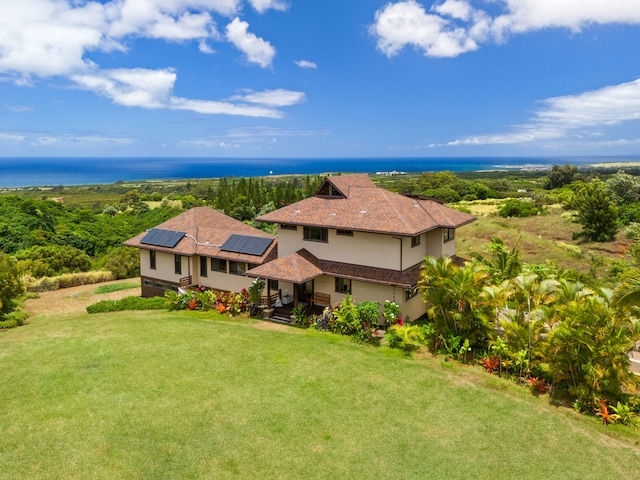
(354, 202)
(302, 266)
(206, 231)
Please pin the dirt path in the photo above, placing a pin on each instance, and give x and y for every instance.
(75, 299)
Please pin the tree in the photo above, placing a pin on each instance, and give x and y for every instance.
(596, 212)
(624, 188)
(123, 262)
(454, 296)
(560, 176)
(10, 285)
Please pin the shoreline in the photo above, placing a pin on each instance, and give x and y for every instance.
(504, 168)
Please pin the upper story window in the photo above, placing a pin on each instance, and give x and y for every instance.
(415, 241)
(177, 260)
(218, 265)
(316, 234)
(344, 233)
(203, 266)
(288, 226)
(152, 259)
(449, 234)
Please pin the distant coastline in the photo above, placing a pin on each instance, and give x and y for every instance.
(58, 171)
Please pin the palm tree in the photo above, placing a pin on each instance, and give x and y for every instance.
(454, 298)
(627, 293)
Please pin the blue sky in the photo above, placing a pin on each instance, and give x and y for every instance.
(319, 78)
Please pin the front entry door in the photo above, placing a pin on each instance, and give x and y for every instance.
(304, 291)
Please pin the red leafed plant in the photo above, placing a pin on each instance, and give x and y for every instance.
(222, 308)
(491, 363)
(603, 412)
(538, 385)
(192, 304)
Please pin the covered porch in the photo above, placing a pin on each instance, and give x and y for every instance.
(299, 269)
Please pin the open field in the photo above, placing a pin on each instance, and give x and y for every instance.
(542, 238)
(198, 395)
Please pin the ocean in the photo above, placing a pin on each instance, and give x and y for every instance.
(29, 172)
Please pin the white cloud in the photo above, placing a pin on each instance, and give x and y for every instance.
(408, 24)
(45, 38)
(137, 87)
(153, 89)
(168, 19)
(306, 64)
(454, 27)
(571, 116)
(210, 107)
(273, 98)
(255, 48)
(205, 48)
(78, 140)
(11, 138)
(523, 15)
(263, 5)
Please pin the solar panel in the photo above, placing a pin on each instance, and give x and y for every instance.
(162, 238)
(246, 244)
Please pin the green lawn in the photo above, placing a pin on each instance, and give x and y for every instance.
(181, 395)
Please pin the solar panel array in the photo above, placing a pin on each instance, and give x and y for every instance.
(246, 244)
(162, 238)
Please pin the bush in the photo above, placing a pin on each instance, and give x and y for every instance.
(13, 319)
(128, 303)
(518, 208)
(52, 260)
(124, 262)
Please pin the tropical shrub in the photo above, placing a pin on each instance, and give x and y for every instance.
(407, 337)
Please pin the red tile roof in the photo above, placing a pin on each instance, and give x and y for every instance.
(366, 207)
(302, 266)
(207, 229)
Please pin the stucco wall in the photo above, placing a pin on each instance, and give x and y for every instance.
(165, 266)
(362, 248)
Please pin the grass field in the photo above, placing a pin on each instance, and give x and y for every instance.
(541, 239)
(195, 395)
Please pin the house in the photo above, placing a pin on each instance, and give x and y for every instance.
(200, 247)
(351, 237)
(355, 238)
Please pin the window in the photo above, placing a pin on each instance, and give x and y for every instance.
(251, 265)
(177, 260)
(415, 241)
(152, 259)
(218, 265)
(147, 283)
(345, 233)
(288, 226)
(316, 234)
(203, 266)
(273, 285)
(343, 285)
(237, 268)
(449, 234)
(409, 293)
